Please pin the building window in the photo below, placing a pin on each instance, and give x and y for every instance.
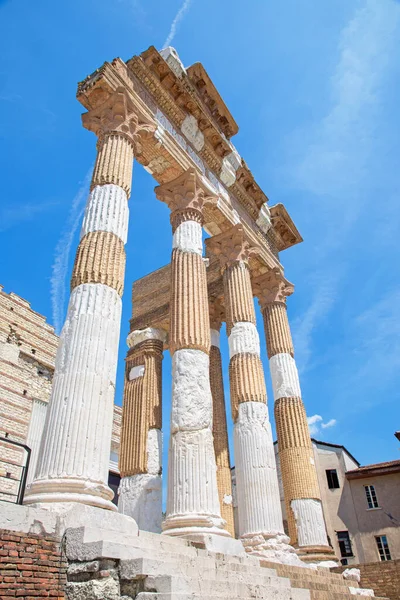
(344, 543)
(383, 547)
(371, 496)
(332, 478)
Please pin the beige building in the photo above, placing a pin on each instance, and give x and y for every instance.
(361, 504)
(28, 346)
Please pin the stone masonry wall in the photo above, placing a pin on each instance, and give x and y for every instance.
(383, 577)
(31, 567)
(28, 347)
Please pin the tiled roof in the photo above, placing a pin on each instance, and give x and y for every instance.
(391, 466)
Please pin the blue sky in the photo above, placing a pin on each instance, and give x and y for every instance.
(314, 87)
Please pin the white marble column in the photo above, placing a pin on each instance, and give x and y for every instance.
(140, 462)
(299, 476)
(74, 457)
(259, 509)
(192, 503)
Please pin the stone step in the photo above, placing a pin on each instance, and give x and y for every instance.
(268, 594)
(321, 586)
(301, 571)
(167, 584)
(107, 544)
(208, 567)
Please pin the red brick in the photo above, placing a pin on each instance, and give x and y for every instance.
(11, 538)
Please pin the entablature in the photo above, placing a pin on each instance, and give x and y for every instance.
(170, 150)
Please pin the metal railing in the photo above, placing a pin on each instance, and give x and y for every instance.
(19, 494)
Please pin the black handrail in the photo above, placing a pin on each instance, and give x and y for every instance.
(25, 467)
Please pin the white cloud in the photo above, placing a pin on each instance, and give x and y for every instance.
(339, 146)
(334, 158)
(62, 251)
(315, 424)
(178, 18)
(330, 423)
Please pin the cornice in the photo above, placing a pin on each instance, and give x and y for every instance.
(286, 232)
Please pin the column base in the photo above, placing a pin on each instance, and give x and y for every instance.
(64, 491)
(271, 547)
(195, 526)
(321, 556)
(140, 497)
(211, 536)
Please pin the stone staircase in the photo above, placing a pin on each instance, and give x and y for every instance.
(111, 565)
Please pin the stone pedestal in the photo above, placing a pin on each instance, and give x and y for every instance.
(299, 477)
(140, 462)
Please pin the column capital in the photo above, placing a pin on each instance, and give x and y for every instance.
(118, 115)
(272, 287)
(138, 336)
(186, 196)
(217, 313)
(231, 246)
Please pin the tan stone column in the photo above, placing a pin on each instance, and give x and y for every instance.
(74, 459)
(259, 510)
(140, 460)
(299, 477)
(220, 429)
(192, 503)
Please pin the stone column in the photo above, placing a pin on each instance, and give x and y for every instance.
(260, 517)
(140, 460)
(75, 450)
(299, 477)
(220, 430)
(192, 503)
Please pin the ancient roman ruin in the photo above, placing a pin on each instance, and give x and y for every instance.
(172, 120)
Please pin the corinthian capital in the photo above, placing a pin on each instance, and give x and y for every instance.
(231, 246)
(186, 197)
(118, 114)
(272, 287)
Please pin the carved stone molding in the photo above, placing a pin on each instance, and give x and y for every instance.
(186, 197)
(118, 114)
(231, 246)
(272, 287)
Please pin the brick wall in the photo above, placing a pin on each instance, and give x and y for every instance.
(31, 567)
(383, 577)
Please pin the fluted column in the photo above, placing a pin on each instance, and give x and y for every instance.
(260, 517)
(192, 502)
(75, 451)
(140, 459)
(299, 477)
(220, 430)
